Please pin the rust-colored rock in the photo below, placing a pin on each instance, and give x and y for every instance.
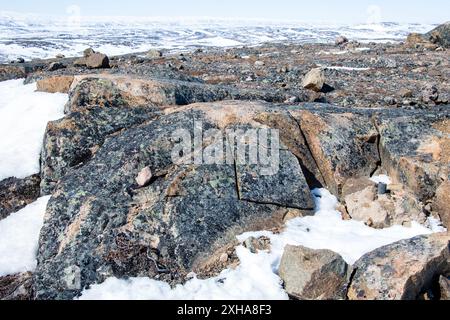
(55, 84)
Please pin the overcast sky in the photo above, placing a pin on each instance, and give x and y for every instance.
(340, 11)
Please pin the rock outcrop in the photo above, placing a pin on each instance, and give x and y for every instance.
(420, 161)
(15, 194)
(169, 228)
(17, 287)
(314, 274)
(56, 84)
(404, 270)
(73, 140)
(440, 35)
(344, 145)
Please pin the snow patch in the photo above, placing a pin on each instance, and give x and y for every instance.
(257, 275)
(19, 237)
(24, 114)
(382, 178)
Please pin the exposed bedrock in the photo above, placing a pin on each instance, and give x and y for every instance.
(405, 270)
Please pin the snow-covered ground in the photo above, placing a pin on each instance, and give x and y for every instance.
(31, 36)
(24, 114)
(19, 235)
(256, 276)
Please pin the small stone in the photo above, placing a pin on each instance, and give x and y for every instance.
(144, 177)
(405, 93)
(390, 100)
(429, 93)
(88, 52)
(292, 100)
(154, 54)
(314, 80)
(224, 258)
(55, 66)
(341, 40)
(259, 63)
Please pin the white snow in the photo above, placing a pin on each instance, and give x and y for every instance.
(342, 68)
(24, 114)
(382, 178)
(256, 277)
(435, 224)
(19, 236)
(40, 36)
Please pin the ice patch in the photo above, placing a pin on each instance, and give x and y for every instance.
(256, 277)
(382, 178)
(19, 237)
(24, 114)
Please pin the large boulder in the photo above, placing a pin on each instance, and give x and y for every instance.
(440, 35)
(314, 80)
(314, 274)
(417, 40)
(100, 223)
(414, 151)
(93, 60)
(344, 145)
(15, 194)
(404, 270)
(125, 91)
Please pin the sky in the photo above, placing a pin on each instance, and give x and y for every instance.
(338, 11)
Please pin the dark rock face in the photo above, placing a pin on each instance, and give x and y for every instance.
(101, 224)
(17, 287)
(413, 151)
(72, 140)
(15, 194)
(343, 145)
(314, 274)
(403, 270)
(440, 35)
(444, 286)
